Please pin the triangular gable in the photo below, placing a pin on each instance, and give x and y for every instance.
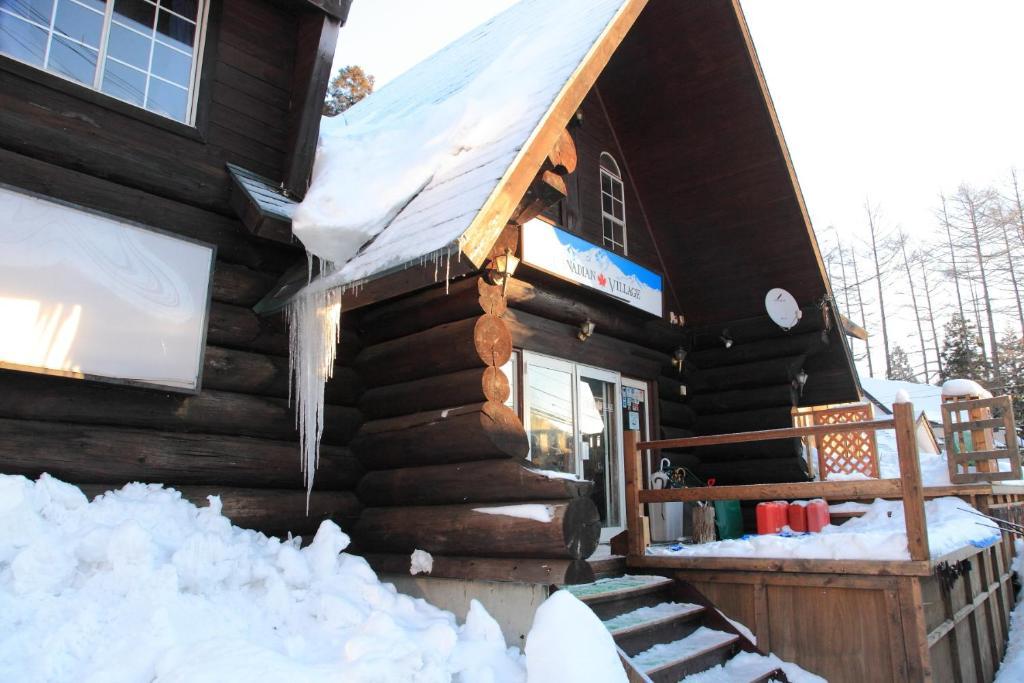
(558, 50)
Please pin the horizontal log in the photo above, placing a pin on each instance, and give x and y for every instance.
(572, 532)
(676, 414)
(754, 329)
(787, 344)
(745, 421)
(275, 512)
(461, 299)
(239, 285)
(535, 333)
(761, 373)
(471, 482)
(237, 327)
(744, 399)
(519, 570)
(454, 389)
(59, 399)
(254, 373)
(547, 300)
(476, 432)
(757, 450)
(95, 454)
(771, 471)
(471, 343)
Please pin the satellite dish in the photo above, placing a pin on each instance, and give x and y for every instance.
(782, 308)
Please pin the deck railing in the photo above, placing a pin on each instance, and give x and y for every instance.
(908, 487)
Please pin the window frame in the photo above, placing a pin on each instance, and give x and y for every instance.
(195, 106)
(609, 168)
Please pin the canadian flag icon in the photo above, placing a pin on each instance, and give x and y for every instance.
(602, 280)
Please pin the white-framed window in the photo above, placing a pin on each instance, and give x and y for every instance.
(145, 52)
(613, 205)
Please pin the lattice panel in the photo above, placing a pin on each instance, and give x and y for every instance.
(849, 453)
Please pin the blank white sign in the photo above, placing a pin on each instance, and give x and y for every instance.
(88, 295)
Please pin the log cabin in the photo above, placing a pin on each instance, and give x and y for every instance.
(608, 282)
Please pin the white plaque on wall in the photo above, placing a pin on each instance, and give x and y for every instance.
(84, 294)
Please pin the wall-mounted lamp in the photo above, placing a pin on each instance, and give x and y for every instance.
(801, 380)
(726, 339)
(678, 356)
(502, 269)
(585, 330)
(682, 391)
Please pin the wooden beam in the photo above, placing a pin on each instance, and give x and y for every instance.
(910, 476)
(520, 570)
(637, 539)
(766, 435)
(829, 490)
(766, 564)
(316, 41)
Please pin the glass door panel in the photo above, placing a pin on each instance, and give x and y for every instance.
(598, 431)
(550, 415)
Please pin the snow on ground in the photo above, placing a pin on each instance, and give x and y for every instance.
(878, 535)
(141, 585)
(569, 644)
(1012, 668)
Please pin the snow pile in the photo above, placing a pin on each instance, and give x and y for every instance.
(880, 534)
(140, 585)
(421, 562)
(1012, 668)
(569, 644)
(749, 666)
(957, 388)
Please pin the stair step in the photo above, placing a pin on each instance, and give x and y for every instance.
(645, 627)
(699, 651)
(746, 667)
(611, 597)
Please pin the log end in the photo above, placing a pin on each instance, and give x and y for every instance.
(581, 528)
(504, 429)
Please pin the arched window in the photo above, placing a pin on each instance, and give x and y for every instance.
(613, 207)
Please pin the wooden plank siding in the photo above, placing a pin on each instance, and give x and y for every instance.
(237, 436)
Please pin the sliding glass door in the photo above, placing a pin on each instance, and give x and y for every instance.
(572, 415)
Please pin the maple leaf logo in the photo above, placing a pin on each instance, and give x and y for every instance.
(602, 280)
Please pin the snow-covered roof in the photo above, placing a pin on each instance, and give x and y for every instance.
(925, 397)
(417, 170)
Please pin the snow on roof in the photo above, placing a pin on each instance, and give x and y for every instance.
(401, 176)
(925, 397)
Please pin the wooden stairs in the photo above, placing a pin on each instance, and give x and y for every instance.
(666, 631)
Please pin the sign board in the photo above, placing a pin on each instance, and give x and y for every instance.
(87, 295)
(569, 257)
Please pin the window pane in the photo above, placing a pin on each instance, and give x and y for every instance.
(617, 190)
(551, 421)
(175, 31)
(186, 8)
(606, 203)
(129, 46)
(167, 99)
(72, 60)
(617, 210)
(124, 82)
(36, 10)
(136, 14)
(79, 23)
(607, 227)
(98, 5)
(171, 64)
(606, 183)
(22, 40)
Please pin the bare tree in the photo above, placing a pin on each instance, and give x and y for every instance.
(952, 257)
(973, 206)
(863, 315)
(877, 241)
(902, 239)
(920, 258)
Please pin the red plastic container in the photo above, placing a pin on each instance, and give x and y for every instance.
(771, 517)
(817, 515)
(797, 517)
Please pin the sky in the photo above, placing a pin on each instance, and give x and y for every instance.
(892, 101)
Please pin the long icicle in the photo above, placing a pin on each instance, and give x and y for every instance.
(314, 330)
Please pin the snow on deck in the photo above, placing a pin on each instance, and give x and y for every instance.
(400, 176)
(880, 534)
(699, 641)
(647, 615)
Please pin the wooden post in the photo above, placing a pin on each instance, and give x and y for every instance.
(635, 521)
(910, 478)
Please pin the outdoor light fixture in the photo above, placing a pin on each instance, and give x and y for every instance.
(726, 339)
(678, 356)
(801, 380)
(502, 269)
(585, 330)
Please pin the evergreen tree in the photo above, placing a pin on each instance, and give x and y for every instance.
(900, 366)
(1012, 347)
(963, 355)
(348, 86)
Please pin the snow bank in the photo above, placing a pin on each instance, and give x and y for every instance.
(955, 388)
(569, 644)
(1012, 668)
(878, 535)
(141, 585)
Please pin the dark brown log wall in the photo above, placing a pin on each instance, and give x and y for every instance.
(237, 437)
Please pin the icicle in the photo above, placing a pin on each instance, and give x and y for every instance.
(314, 330)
